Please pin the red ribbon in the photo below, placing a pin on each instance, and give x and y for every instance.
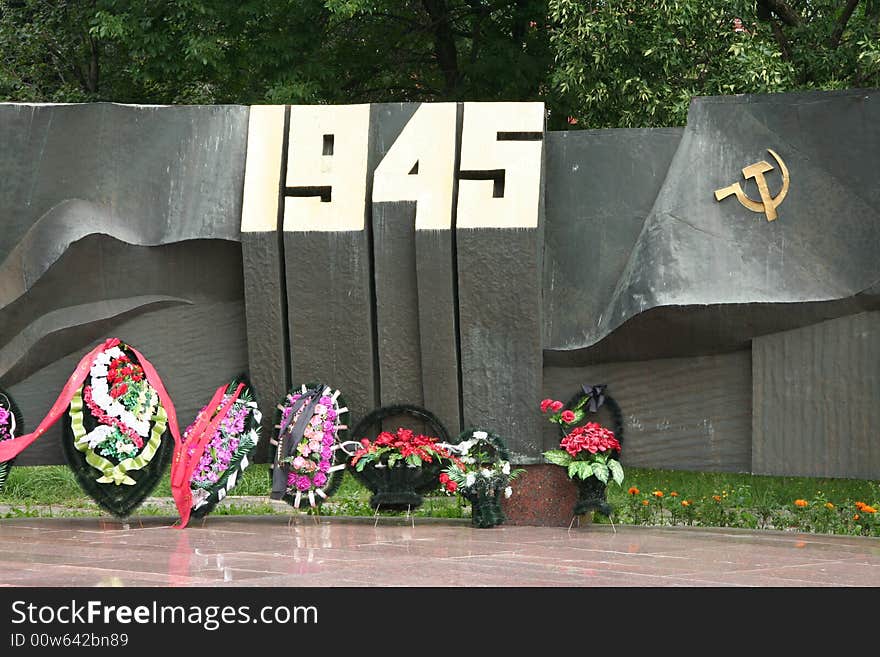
(9, 449)
(188, 453)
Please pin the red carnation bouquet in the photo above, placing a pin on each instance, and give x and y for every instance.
(404, 447)
(588, 450)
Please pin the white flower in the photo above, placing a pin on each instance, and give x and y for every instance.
(480, 435)
(199, 497)
(486, 473)
(505, 468)
(508, 491)
(465, 445)
(470, 480)
(99, 435)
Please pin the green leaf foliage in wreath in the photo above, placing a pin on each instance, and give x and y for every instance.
(616, 471)
(558, 457)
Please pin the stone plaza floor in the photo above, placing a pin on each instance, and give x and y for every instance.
(256, 551)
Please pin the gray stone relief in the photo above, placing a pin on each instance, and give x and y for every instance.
(126, 221)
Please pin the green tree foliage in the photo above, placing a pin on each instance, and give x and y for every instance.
(602, 63)
(253, 51)
(639, 62)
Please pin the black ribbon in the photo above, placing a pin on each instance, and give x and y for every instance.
(595, 395)
(289, 437)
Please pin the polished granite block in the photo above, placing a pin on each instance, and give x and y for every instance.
(543, 496)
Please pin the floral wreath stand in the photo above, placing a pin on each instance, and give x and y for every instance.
(400, 487)
(310, 446)
(485, 501)
(591, 492)
(115, 433)
(230, 449)
(11, 425)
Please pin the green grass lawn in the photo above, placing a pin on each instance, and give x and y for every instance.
(647, 497)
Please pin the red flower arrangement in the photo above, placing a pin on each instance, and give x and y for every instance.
(587, 450)
(406, 448)
(591, 437)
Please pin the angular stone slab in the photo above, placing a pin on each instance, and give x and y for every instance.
(815, 400)
(327, 252)
(499, 233)
(412, 211)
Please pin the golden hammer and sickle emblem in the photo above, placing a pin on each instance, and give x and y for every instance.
(767, 204)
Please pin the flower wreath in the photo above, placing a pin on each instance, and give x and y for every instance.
(228, 451)
(115, 437)
(11, 425)
(398, 468)
(482, 474)
(312, 425)
(588, 450)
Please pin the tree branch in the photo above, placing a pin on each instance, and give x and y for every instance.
(444, 42)
(842, 21)
(93, 64)
(781, 40)
(782, 10)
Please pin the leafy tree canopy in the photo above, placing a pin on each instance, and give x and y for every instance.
(638, 63)
(595, 63)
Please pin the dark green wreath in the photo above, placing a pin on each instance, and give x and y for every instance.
(9, 404)
(243, 451)
(334, 478)
(119, 501)
(399, 488)
(485, 507)
(592, 493)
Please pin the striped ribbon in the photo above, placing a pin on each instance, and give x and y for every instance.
(115, 473)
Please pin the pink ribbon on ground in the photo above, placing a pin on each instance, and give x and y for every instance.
(9, 449)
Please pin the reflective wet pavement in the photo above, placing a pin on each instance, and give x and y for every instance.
(250, 551)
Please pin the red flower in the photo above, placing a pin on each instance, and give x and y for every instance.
(545, 405)
(384, 438)
(591, 437)
(556, 406)
(451, 486)
(444, 478)
(567, 417)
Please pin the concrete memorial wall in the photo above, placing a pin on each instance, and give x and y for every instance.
(721, 278)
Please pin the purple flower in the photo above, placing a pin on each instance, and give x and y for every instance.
(320, 479)
(326, 400)
(303, 483)
(326, 453)
(328, 425)
(331, 414)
